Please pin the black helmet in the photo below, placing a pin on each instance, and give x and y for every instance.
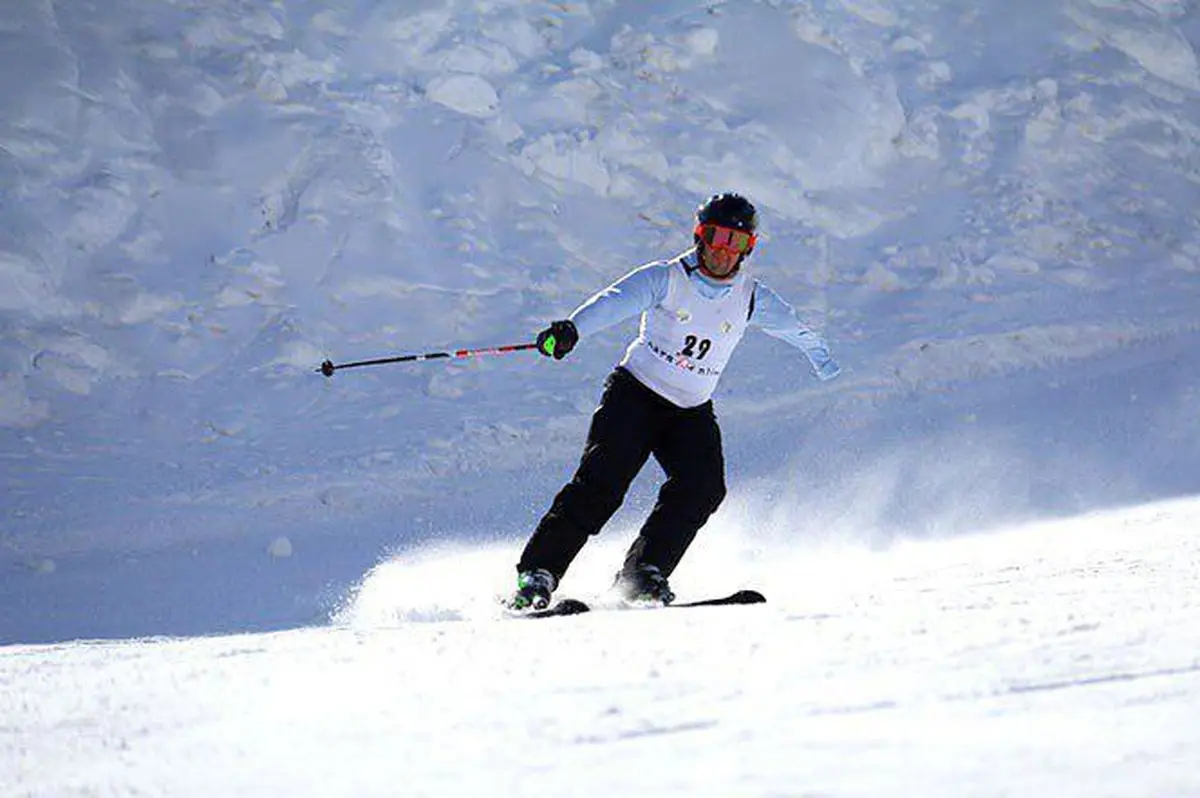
(728, 210)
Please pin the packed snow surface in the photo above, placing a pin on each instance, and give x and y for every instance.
(1056, 660)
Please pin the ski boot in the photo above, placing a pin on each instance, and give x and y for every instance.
(645, 584)
(533, 590)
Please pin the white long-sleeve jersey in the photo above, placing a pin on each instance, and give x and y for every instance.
(691, 324)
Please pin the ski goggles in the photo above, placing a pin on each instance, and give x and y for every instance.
(718, 237)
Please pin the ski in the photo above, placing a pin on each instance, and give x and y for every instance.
(740, 597)
(570, 606)
(567, 606)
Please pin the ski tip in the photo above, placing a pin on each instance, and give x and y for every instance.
(740, 597)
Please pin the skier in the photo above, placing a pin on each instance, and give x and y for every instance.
(694, 309)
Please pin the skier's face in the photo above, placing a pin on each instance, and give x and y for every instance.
(719, 263)
(722, 248)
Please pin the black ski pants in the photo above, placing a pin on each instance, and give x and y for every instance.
(632, 423)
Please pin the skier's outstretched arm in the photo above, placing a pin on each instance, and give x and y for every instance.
(636, 292)
(633, 294)
(778, 319)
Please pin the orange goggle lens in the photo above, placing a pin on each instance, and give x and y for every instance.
(718, 237)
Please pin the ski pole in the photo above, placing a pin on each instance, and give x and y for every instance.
(328, 367)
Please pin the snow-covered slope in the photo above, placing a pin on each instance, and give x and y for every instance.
(1048, 661)
(990, 211)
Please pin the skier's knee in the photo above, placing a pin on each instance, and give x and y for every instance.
(600, 505)
(608, 498)
(713, 495)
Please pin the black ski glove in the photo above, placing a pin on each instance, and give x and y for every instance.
(558, 339)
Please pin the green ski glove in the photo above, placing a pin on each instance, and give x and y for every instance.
(558, 339)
